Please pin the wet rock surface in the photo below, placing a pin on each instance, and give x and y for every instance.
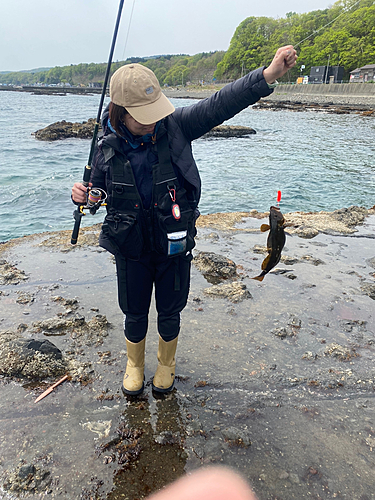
(38, 360)
(230, 131)
(64, 130)
(235, 292)
(369, 289)
(27, 479)
(215, 268)
(9, 274)
(280, 387)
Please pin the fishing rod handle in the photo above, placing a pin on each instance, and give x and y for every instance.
(77, 214)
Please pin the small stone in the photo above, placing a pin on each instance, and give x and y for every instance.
(238, 436)
(294, 478)
(310, 356)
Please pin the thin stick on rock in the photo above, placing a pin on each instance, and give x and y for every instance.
(50, 389)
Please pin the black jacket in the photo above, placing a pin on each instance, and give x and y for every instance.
(183, 126)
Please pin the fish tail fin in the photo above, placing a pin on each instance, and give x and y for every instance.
(264, 228)
(258, 278)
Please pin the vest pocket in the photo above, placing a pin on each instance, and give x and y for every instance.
(175, 237)
(177, 242)
(124, 233)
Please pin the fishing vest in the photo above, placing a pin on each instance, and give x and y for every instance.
(168, 227)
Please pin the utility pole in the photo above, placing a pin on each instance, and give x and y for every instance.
(326, 75)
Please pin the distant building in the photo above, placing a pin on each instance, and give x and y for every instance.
(95, 85)
(364, 74)
(354, 75)
(319, 74)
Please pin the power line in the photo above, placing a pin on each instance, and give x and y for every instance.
(322, 28)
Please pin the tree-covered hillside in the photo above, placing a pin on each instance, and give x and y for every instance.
(344, 34)
(170, 70)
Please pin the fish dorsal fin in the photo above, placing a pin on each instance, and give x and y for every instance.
(264, 228)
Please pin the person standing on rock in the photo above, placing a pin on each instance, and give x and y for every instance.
(145, 164)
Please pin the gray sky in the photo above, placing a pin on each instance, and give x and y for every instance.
(47, 33)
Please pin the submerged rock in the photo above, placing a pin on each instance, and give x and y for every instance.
(77, 327)
(338, 351)
(235, 292)
(58, 326)
(27, 479)
(369, 289)
(241, 437)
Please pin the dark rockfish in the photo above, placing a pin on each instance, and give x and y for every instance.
(275, 241)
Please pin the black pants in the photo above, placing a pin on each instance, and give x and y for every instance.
(135, 280)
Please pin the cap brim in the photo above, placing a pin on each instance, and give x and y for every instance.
(153, 112)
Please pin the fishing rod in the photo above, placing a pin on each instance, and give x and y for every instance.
(95, 196)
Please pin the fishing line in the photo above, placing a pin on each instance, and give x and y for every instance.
(127, 34)
(323, 27)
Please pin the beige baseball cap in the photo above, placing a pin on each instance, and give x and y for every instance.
(137, 89)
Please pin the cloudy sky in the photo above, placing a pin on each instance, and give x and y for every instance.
(47, 33)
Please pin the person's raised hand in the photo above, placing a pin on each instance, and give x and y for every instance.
(284, 59)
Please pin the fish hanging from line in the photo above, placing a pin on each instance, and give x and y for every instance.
(275, 241)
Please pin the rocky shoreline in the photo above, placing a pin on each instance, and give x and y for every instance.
(282, 99)
(295, 416)
(339, 104)
(278, 100)
(325, 104)
(64, 130)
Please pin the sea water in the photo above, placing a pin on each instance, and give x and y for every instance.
(319, 161)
